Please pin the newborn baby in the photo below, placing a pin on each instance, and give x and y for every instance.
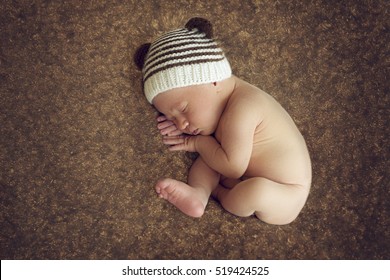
(252, 158)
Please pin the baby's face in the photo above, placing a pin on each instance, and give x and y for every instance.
(193, 109)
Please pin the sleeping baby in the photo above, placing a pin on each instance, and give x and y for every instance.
(252, 157)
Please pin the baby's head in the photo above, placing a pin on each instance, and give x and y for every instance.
(181, 58)
(181, 71)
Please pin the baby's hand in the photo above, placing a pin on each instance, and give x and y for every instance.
(167, 127)
(181, 142)
(173, 137)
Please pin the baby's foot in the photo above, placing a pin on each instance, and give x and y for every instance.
(184, 197)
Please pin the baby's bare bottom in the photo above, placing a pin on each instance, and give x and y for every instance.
(271, 202)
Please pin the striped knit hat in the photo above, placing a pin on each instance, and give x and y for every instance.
(182, 57)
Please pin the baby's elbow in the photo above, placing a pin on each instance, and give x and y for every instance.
(235, 166)
(235, 172)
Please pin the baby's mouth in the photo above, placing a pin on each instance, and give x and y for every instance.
(195, 132)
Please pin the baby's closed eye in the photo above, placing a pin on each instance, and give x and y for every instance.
(184, 108)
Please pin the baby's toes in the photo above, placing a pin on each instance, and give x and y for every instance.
(164, 187)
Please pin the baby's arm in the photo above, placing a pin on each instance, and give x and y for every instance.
(231, 156)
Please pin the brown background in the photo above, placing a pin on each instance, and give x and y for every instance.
(80, 152)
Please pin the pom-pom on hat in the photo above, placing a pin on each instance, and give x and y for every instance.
(182, 57)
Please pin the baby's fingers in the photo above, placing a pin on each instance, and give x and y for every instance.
(161, 118)
(180, 143)
(173, 140)
(165, 124)
(175, 133)
(169, 130)
(178, 147)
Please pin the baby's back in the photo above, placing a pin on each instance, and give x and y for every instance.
(279, 150)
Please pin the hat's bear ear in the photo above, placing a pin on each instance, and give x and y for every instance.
(203, 25)
(140, 54)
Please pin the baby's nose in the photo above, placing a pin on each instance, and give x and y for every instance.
(183, 124)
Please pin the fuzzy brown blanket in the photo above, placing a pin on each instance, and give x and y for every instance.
(80, 152)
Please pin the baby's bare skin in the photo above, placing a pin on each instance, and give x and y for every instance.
(253, 158)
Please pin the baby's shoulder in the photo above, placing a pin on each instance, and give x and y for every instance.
(243, 106)
(247, 96)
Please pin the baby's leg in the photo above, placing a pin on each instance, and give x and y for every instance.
(229, 182)
(271, 202)
(193, 197)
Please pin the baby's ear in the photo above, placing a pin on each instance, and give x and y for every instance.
(202, 24)
(140, 54)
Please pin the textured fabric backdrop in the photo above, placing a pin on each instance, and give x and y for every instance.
(80, 152)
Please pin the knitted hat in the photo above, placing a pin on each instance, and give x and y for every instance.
(182, 57)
